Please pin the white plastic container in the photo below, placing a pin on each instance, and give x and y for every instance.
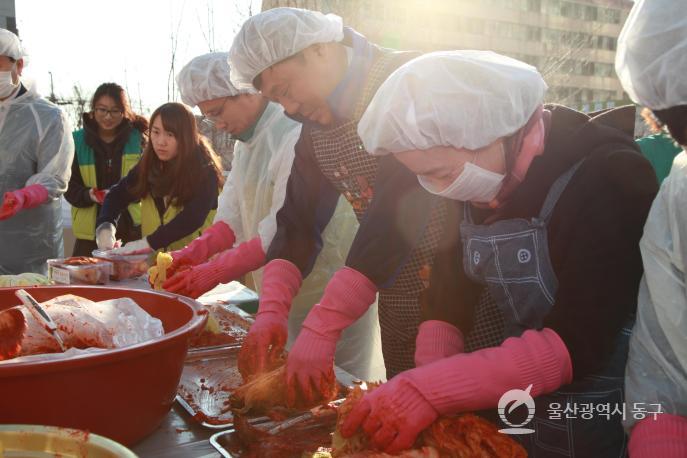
(79, 270)
(124, 266)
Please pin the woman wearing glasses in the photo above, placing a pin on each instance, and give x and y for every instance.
(108, 146)
(177, 181)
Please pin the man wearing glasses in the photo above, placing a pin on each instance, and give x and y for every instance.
(246, 216)
(36, 151)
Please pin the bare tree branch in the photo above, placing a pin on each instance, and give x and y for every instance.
(171, 92)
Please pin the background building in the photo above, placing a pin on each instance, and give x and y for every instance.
(572, 43)
(8, 18)
(221, 142)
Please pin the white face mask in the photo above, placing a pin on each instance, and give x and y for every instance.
(474, 184)
(7, 86)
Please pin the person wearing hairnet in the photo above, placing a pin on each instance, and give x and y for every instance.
(555, 204)
(651, 63)
(245, 223)
(36, 152)
(324, 75)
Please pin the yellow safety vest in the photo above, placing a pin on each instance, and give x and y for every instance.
(83, 219)
(150, 221)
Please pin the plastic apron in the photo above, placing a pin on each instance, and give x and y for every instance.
(511, 258)
(656, 370)
(359, 350)
(253, 194)
(36, 147)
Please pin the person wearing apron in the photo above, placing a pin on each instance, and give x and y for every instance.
(246, 216)
(555, 202)
(332, 73)
(651, 63)
(36, 152)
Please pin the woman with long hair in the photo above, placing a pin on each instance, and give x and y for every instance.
(107, 147)
(177, 182)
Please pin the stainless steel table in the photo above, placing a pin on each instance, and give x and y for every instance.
(179, 436)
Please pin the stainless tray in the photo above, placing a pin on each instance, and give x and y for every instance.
(216, 441)
(221, 440)
(205, 385)
(233, 327)
(206, 382)
(207, 368)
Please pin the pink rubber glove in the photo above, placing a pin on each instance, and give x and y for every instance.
(665, 437)
(214, 239)
(224, 268)
(266, 338)
(25, 198)
(465, 382)
(392, 415)
(310, 363)
(437, 340)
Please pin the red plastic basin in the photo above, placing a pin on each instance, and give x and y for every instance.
(122, 393)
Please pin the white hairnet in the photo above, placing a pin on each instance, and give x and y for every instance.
(206, 77)
(10, 45)
(276, 34)
(651, 61)
(463, 99)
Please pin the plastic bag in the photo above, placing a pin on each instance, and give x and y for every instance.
(84, 324)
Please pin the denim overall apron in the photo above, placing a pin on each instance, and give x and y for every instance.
(511, 258)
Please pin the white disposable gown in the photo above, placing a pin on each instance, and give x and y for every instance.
(253, 194)
(36, 147)
(656, 370)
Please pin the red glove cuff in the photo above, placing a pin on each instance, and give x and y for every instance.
(280, 283)
(346, 298)
(664, 437)
(437, 340)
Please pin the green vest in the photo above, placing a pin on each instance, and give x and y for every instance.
(660, 150)
(83, 219)
(150, 221)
